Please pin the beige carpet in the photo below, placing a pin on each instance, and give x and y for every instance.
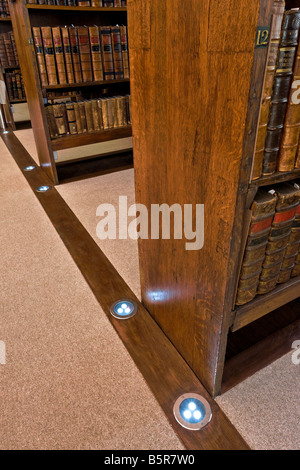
(68, 382)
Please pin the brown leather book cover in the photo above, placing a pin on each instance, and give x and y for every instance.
(49, 55)
(96, 53)
(78, 118)
(278, 12)
(9, 50)
(51, 122)
(85, 53)
(107, 53)
(99, 104)
(89, 115)
(297, 165)
(114, 108)
(296, 270)
(75, 54)
(3, 55)
(81, 106)
(281, 89)
(39, 50)
(68, 54)
(104, 107)
(96, 3)
(263, 211)
(59, 118)
(84, 3)
(71, 118)
(96, 116)
(59, 55)
(117, 52)
(290, 139)
(125, 54)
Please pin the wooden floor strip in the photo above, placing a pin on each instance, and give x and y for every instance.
(164, 370)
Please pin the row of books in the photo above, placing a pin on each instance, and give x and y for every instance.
(82, 3)
(15, 85)
(76, 54)
(4, 9)
(88, 116)
(272, 254)
(278, 145)
(8, 51)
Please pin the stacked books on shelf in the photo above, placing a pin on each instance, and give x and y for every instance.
(88, 116)
(4, 9)
(272, 252)
(278, 144)
(15, 86)
(82, 3)
(81, 54)
(8, 51)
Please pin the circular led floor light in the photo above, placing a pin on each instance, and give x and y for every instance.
(124, 309)
(29, 168)
(192, 412)
(43, 189)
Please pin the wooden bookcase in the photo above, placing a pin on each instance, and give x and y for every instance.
(24, 17)
(197, 82)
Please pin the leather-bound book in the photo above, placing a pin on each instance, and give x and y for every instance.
(84, 3)
(71, 118)
(290, 139)
(263, 211)
(107, 53)
(89, 115)
(296, 270)
(67, 54)
(75, 54)
(99, 104)
(108, 3)
(9, 50)
(59, 118)
(297, 164)
(125, 54)
(281, 89)
(104, 107)
(96, 53)
(117, 52)
(96, 3)
(51, 122)
(96, 116)
(85, 53)
(81, 106)
(78, 118)
(59, 55)
(49, 55)
(117, 3)
(286, 208)
(3, 55)
(278, 12)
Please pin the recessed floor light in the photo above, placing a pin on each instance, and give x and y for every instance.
(43, 189)
(192, 411)
(124, 309)
(29, 168)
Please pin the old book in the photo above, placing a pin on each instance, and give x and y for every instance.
(84, 3)
(125, 53)
(287, 204)
(296, 270)
(104, 107)
(75, 54)
(263, 211)
(96, 53)
(51, 122)
(81, 106)
(39, 50)
(89, 115)
(96, 116)
(59, 55)
(67, 54)
(117, 52)
(107, 53)
(3, 55)
(59, 118)
(49, 55)
(9, 50)
(99, 104)
(290, 138)
(281, 89)
(278, 12)
(78, 118)
(96, 3)
(85, 53)
(71, 118)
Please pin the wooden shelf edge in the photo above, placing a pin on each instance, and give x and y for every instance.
(86, 84)
(35, 6)
(5, 18)
(78, 140)
(274, 179)
(264, 304)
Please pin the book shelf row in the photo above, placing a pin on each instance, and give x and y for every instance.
(4, 9)
(74, 55)
(8, 51)
(81, 3)
(15, 86)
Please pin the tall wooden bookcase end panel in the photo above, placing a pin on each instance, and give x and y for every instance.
(199, 83)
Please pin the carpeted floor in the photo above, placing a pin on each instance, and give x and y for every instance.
(265, 408)
(68, 382)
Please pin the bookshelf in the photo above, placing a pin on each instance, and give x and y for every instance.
(197, 147)
(24, 18)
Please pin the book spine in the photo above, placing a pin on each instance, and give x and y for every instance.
(9, 50)
(59, 55)
(89, 116)
(67, 54)
(3, 55)
(290, 138)
(97, 3)
(96, 116)
(84, 3)
(296, 270)
(71, 118)
(39, 50)
(278, 12)
(49, 55)
(83, 116)
(107, 53)
(75, 54)
(78, 118)
(117, 52)
(96, 53)
(59, 119)
(85, 53)
(281, 90)
(125, 55)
